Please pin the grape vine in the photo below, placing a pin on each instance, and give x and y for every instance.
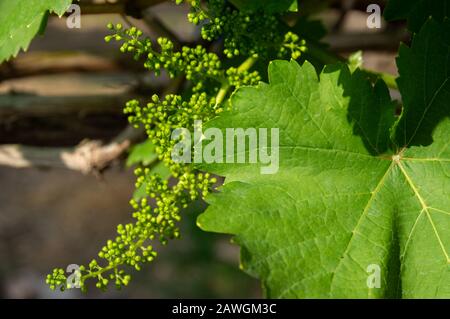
(249, 35)
(361, 130)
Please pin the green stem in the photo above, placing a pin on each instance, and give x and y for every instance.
(97, 273)
(223, 91)
(113, 265)
(247, 64)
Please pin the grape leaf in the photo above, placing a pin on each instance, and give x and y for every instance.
(143, 153)
(21, 20)
(345, 201)
(416, 12)
(426, 87)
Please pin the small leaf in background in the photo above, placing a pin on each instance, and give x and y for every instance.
(21, 20)
(143, 153)
(355, 61)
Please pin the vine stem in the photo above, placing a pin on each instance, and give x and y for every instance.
(113, 265)
(222, 92)
(226, 86)
(247, 64)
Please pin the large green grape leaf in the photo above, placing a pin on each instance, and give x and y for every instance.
(344, 201)
(21, 20)
(416, 12)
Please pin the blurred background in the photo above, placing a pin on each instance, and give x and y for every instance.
(69, 88)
